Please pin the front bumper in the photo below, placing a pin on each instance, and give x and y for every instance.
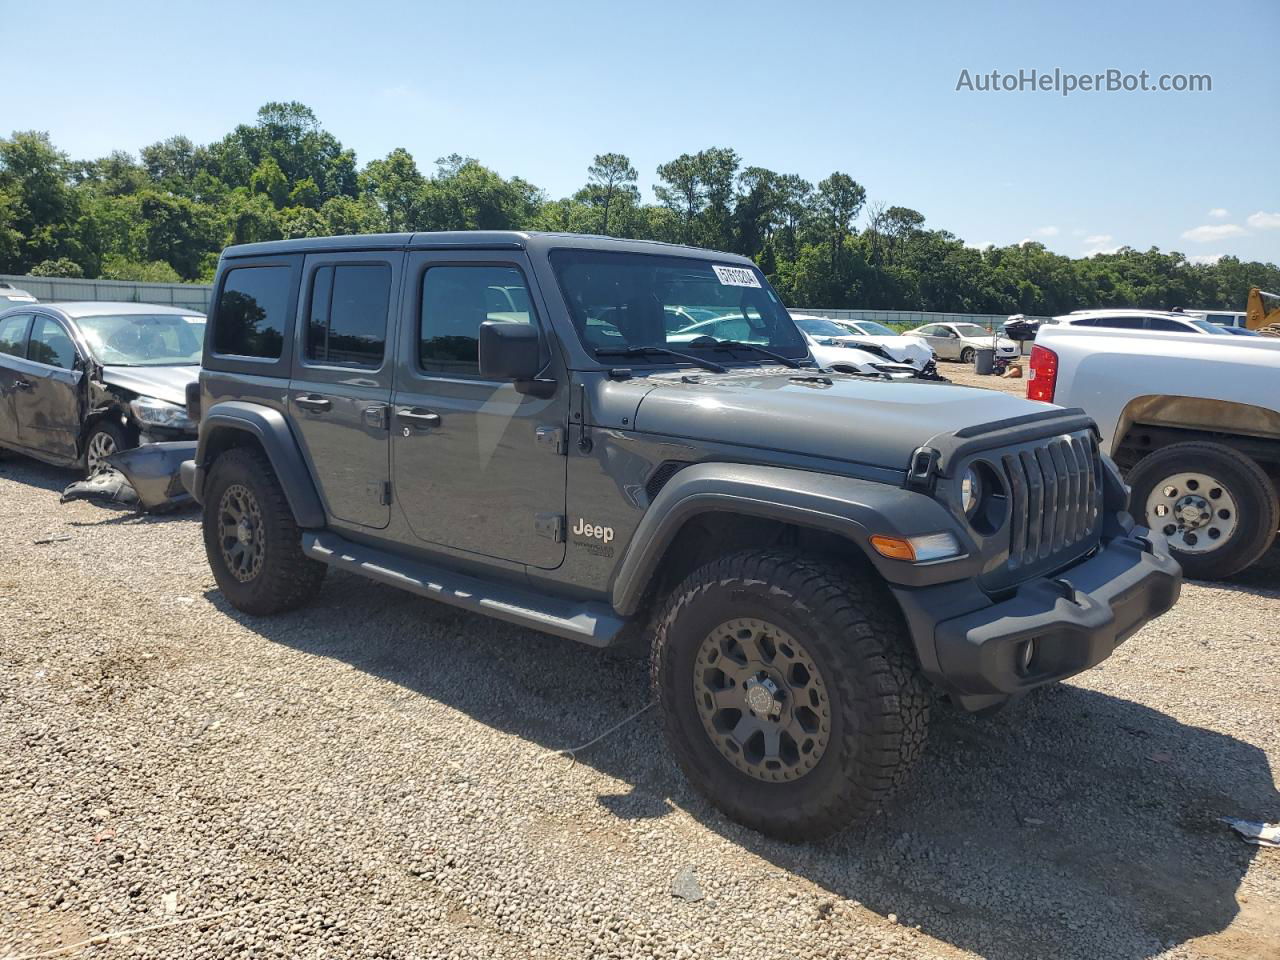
(1075, 617)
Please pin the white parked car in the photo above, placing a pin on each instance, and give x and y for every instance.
(9, 295)
(904, 349)
(835, 348)
(1158, 320)
(962, 341)
(830, 355)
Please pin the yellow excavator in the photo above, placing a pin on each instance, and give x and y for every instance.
(1258, 317)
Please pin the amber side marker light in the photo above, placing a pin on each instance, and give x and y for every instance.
(933, 546)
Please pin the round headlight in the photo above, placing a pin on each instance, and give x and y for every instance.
(970, 491)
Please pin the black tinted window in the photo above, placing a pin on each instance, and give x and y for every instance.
(348, 324)
(50, 344)
(455, 301)
(251, 315)
(13, 331)
(1120, 323)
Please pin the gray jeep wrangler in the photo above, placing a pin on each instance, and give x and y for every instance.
(611, 440)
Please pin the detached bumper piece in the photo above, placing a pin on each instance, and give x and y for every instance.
(146, 477)
(1052, 628)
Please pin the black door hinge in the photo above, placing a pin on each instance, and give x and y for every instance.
(551, 438)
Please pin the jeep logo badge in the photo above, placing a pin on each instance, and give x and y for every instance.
(597, 532)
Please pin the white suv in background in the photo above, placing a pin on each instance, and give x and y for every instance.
(1159, 320)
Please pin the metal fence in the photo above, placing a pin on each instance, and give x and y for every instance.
(196, 296)
(54, 289)
(907, 319)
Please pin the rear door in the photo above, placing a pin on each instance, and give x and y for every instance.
(48, 411)
(13, 347)
(340, 394)
(477, 465)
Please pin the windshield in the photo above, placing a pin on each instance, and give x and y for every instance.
(143, 340)
(626, 300)
(820, 327)
(971, 330)
(875, 329)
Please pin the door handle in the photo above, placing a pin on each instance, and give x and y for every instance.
(23, 385)
(318, 404)
(419, 416)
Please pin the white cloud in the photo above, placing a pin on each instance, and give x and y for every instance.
(1264, 221)
(1210, 232)
(1047, 231)
(1206, 258)
(1100, 243)
(1218, 213)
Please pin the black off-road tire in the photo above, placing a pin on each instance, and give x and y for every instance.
(1255, 496)
(967, 355)
(848, 625)
(287, 578)
(108, 431)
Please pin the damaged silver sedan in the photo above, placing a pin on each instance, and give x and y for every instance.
(80, 382)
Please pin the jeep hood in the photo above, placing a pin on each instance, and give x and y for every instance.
(858, 419)
(163, 383)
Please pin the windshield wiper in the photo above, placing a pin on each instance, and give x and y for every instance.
(639, 351)
(712, 342)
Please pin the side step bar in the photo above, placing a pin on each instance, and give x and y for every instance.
(592, 623)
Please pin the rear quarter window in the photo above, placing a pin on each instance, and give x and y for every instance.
(252, 312)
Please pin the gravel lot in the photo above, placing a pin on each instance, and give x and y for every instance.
(370, 777)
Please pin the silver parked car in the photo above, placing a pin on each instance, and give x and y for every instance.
(962, 341)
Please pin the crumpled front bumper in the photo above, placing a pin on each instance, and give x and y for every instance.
(1074, 619)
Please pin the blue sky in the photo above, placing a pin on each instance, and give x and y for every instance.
(536, 89)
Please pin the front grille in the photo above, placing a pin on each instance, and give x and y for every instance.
(1055, 497)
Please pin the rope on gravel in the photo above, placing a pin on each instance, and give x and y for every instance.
(107, 937)
(572, 752)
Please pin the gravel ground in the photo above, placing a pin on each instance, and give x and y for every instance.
(370, 777)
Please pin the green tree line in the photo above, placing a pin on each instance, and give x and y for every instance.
(165, 214)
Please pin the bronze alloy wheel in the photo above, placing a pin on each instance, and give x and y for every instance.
(762, 700)
(242, 535)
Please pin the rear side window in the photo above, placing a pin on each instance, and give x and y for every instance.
(13, 331)
(455, 301)
(348, 325)
(50, 344)
(251, 315)
(1120, 323)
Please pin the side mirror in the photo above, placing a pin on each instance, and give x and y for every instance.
(509, 351)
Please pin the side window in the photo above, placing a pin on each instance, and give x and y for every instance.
(929, 331)
(13, 332)
(348, 325)
(50, 344)
(251, 314)
(1174, 326)
(455, 301)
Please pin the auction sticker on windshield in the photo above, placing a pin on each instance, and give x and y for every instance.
(735, 276)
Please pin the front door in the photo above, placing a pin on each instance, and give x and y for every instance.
(340, 394)
(13, 346)
(49, 409)
(476, 463)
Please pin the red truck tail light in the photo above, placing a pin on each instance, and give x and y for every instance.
(1042, 374)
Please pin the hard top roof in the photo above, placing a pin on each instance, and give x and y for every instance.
(473, 240)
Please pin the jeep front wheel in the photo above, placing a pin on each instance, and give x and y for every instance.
(789, 694)
(1217, 507)
(253, 544)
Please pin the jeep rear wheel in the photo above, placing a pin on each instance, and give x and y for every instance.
(253, 544)
(790, 697)
(1218, 508)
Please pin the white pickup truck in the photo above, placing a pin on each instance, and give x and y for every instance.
(1194, 423)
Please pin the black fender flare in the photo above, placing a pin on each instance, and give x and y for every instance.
(852, 508)
(270, 428)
